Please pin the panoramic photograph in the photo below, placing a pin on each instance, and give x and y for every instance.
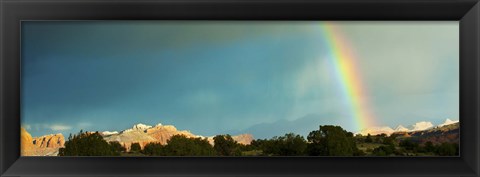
(240, 88)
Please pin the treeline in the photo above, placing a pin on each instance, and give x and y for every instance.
(93, 144)
(90, 144)
(180, 145)
(328, 140)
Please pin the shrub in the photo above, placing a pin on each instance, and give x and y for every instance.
(135, 147)
(117, 147)
(87, 144)
(383, 150)
(226, 146)
(153, 149)
(447, 149)
(180, 145)
(331, 140)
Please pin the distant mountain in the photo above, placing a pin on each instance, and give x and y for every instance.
(448, 122)
(446, 133)
(376, 131)
(401, 128)
(419, 126)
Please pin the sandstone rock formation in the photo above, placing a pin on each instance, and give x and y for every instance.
(26, 143)
(47, 145)
(162, 133)
(144, 134)
(49, 141)
(243, 138)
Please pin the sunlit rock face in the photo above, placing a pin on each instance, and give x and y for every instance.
(26, 142)
(47, 145)
(49, 141)
(243, 138)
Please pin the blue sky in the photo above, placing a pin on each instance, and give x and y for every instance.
(230, 77)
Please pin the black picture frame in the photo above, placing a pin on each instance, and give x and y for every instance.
(12, 12)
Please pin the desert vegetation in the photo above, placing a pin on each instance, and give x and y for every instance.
(88, 144)
(328, 140)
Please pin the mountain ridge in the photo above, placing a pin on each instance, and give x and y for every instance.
(143, 134)
(418, 126)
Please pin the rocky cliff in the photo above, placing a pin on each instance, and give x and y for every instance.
(49, 141)
(47, 145)
(26, 143)
(243, 138)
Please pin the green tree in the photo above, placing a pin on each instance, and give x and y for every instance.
(429, 147)
(271, 146)
(225, 145)
(135, 147)
(153, 149)
(383, 135)
(389, 141)
(117, 147)
(384, 150)
(87, 144)
(447, 149)
(180, 145)
(359, 152)
(291, 145)
(408, 144)
(331, 140)
(368, 139)
(257, 144)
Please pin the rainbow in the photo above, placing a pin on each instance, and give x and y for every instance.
(349, 78)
